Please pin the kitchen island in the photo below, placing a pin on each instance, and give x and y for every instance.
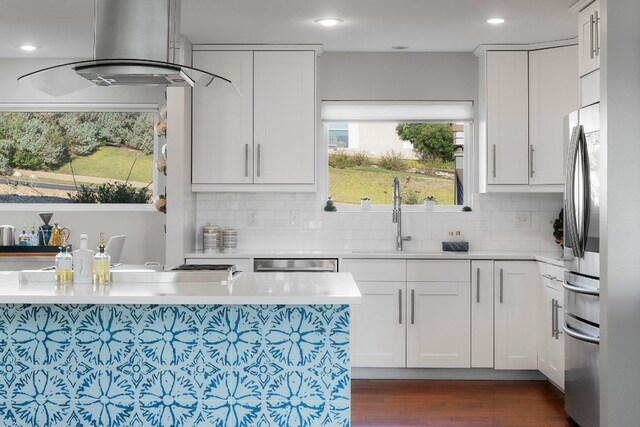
(262, 349)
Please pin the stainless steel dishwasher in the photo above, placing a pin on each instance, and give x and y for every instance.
(306, 265)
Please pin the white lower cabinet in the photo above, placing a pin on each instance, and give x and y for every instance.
(445, 314)
(378, 325)
(438, 315)
(482, 314)
(550, 335)
(515, 315)
(413, 314)
(378, 337)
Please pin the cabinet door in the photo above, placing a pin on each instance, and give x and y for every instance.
(507, 118)
(222, 137)
(589, 38)
(544, 316)
(482, 314)
(556, 343)
(284, 114)
(553, 93)
(438, 325)
(515, 315)
(378, 326)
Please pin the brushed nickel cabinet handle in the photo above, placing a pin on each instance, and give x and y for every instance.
(413, 306)
(258, 162)
(592, 49)
(494, 160)
(478, 285)
(246, 160)
(400, 306)
(553, 318)
(596, 35)
(501, 286)
(531, 150)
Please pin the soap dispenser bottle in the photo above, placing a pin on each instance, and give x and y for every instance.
(83, 262)
(64, 266)
(101, 265)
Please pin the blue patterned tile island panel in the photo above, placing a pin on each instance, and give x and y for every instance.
(183, 365)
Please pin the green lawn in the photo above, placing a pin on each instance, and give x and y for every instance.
(114, 163)
(349, 185)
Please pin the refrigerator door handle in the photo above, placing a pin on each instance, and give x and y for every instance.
(569, 191)
(582, 337)
(586, 193)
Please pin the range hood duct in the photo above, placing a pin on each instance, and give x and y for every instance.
(135, 44)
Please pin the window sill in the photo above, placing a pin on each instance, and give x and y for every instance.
(388, 208)
(76, 207)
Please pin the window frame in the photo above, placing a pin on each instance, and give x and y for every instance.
(88, 108)
(468, 163)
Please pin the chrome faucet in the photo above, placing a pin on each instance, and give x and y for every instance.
(397, 214)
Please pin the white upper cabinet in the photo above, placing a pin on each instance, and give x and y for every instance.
(524, 98)
(284, 114)
(553, 93)
(264, 137)
(589, 38)
(507, 118)
(223, 120)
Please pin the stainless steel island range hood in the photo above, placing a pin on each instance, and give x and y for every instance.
(135, 44)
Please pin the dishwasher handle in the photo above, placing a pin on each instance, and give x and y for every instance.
(295, 269)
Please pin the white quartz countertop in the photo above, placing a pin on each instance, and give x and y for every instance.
(548, 257)
(245, 288)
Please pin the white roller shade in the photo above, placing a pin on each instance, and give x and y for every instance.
(419, 111)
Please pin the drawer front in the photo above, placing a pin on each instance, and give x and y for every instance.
(376, 270)
(438, 270)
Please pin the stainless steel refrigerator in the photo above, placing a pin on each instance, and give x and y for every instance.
(582, 262)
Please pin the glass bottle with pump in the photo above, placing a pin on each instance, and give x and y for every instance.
(101, 265)
(64, 266)
(34, 235)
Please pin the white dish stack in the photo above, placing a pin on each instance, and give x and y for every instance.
(229, 240)
(211, 239)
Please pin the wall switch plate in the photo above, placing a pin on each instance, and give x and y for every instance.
(523, 220)
(294, 217)
(252, 217)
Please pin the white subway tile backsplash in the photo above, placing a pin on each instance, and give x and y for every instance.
(490, 226)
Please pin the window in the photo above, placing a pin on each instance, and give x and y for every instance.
(376, 142)
(55, 156)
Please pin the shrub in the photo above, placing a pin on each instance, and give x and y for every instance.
(116, 192)
(342, 160)
(392, 160)
(7, 151)
(411, 197)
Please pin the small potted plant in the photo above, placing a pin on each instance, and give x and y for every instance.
(429, 203)
(365, 203)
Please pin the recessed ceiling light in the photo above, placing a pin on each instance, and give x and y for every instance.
(495, 21)
(399, 47)
(328, 22)
(28, 47)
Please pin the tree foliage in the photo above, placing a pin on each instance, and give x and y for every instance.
(431, 141)
(46, 140)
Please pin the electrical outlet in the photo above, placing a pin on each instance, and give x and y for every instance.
(252, 217)
(294, 217)
(523, 219)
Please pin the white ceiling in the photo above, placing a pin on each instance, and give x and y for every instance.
(64, 28)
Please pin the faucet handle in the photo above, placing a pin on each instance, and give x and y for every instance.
(406, 238)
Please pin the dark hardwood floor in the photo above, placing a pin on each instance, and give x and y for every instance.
(457, 403)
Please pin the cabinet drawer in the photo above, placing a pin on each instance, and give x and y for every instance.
(377, 270)
(438, 271)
